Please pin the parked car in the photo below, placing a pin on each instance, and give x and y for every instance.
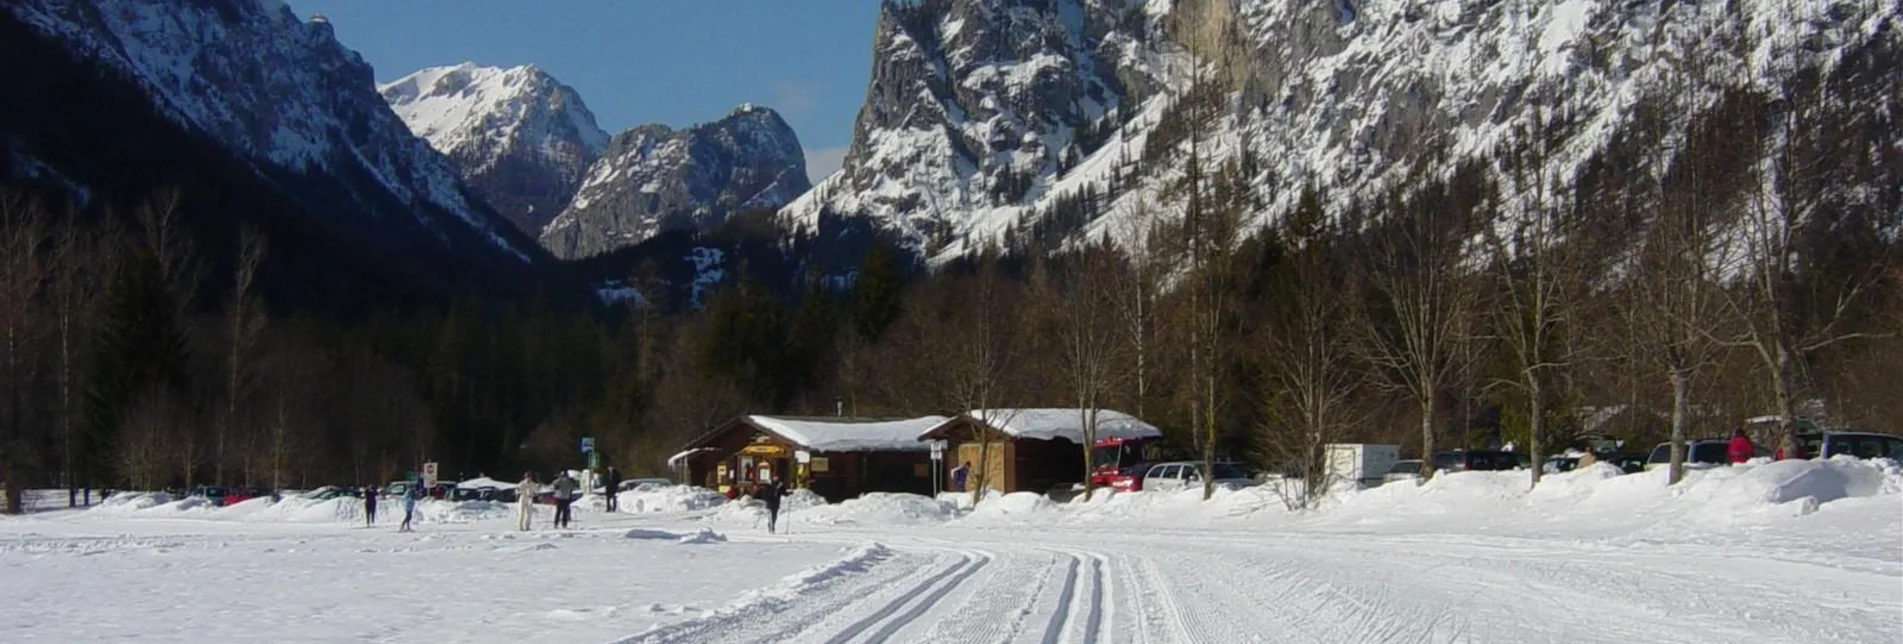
(466, 494)
(1170, 477)
(632, 484)
(1629, 462)
(1708, 451)
(1128, 478)
(329, 492)
(1461, 460)
(1864, 445)
(1408, 470)
(236, 495)
(1557, 464)
(396, 489)
(214, 493)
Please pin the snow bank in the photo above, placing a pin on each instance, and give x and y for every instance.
(1595, 501)
(484, 482)
(880, 508)
(1015, 503)
(672, 498)
(294, 509)
(1600, 501)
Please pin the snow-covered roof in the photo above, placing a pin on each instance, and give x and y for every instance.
(846, 435)
(1046, 424)
(679, 459)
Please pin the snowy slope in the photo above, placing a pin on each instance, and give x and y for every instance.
(1346, 96)
(275, 90)
(655, 178)
(521, 138)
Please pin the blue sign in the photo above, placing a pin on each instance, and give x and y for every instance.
(587, 444)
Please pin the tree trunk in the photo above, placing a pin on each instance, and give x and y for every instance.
(1536, 426)
(1209, 430)
(1786, 390)
(1090, 453)
(1681, 411)
(1427, 431)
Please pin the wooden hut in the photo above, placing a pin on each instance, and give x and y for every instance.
(1030, 450)
(836, 457)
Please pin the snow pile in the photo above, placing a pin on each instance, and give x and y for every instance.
(703, 536)
(672, 498)
(1015, 503)
(484, 482)
(881, 508)
(1596, 501)
(748, 510)
(1599, 501)
(130, 502)
(294, 509)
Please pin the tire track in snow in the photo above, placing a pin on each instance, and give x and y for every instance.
(1168, 615)
(915, 602)
(781, 611)
(1079, 615)
(1060, 618)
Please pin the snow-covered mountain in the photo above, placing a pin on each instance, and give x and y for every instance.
(655, 178)
(981, 114)
(976, 105)
(286, 97)
(522, 139)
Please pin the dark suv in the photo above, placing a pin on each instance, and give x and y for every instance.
(1461, 460)
(1864, 445)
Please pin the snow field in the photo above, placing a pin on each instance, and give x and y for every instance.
(1797, 551)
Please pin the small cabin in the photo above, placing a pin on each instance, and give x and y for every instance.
(836, 457)
(1028, 450)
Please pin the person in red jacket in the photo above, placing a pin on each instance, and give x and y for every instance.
(1741, 448)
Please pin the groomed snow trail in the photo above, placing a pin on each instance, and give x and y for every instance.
(1056, 585)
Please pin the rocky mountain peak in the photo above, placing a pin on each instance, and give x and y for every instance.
(521, 138)
(655, 178)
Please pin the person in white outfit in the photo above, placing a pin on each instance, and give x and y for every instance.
(525, 501)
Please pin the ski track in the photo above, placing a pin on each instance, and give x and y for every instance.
(1073, 588)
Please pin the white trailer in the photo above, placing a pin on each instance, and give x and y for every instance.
(1363, 463)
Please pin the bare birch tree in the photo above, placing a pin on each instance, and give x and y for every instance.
(79, 261)
(22, 238)
(1789, 309)
(1311, 370)
(1137, 289)
(1087, 337)
(1537, 278)
(1423, 302)
(244, 321)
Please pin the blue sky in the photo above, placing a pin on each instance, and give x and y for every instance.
(677, 62)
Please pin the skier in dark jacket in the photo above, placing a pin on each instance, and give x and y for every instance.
(612, 487)
(771, 494)
(369, 505)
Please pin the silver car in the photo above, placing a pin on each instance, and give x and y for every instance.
(1182, 475)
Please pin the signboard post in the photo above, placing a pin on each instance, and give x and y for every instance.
(429, 474)
(938, 466)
